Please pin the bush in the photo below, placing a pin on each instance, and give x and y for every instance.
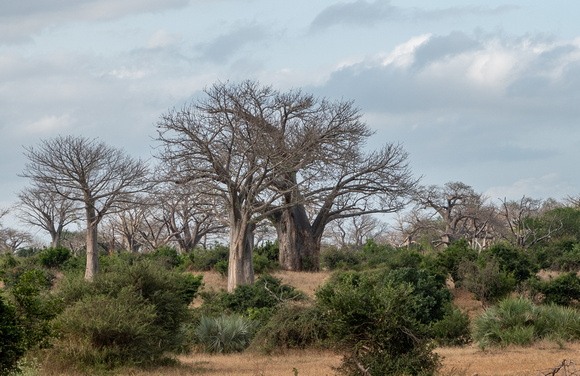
(453, 256)
(12, 346)
(167, 256)
(487, 282)
(430, 289)
(562, 290)
(333, 258)
(25, 319)
(54, 257)
(225, 334)
(372, 321)
(453, 329)
(206, 259)
(260, 300)
(512, 261)
(151, 300)
(293, 326)
(518, 321)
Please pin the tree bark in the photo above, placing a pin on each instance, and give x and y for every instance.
(92, 267)
(299, 249)
(241, 263)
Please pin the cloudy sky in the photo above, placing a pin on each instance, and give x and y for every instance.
(483, 92)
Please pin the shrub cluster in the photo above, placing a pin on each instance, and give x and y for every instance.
(518, 321)
(131, 313)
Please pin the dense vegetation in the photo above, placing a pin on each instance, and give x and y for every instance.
(384, 308)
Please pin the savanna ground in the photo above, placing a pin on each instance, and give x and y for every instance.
(468, 360)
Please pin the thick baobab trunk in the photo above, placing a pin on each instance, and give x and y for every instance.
(55, 239)
(92, 267)
(299, 249)
(241, 264)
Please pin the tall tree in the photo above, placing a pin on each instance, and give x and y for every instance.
(220, 141)
(48, 210)
(455, 203)
(90, 172)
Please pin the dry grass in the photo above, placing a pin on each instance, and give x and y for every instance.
(512, 361)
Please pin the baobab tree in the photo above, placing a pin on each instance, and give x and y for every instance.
(221, 142)
(48, 210)
(90, 172)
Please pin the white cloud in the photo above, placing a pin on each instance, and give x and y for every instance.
(50, 124)
(548, 186)
(21, 19)
(161, 38)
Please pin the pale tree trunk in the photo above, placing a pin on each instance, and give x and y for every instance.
(241, 264)
(92, 267)
(299, 249)
(55, 239)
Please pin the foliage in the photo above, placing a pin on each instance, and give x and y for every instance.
(25, 319)
(167, 256)
(261, 299)
(12, 268)
(333, 258)
(270, 250)
(12, 346)
(562, 290)
(518, 321)
(151, 302)
(487, 281)
(206, 259)
(512, 261)
(453, 256)
(225, 334)
(27, 252)
(372, 321)
(453, 329)
(54, 257)
(293, 326)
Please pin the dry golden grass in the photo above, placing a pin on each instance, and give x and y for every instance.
(512, 361)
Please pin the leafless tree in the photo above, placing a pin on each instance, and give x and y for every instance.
(12, 239)
(222, 143)
(355, 231)
(522, 222)
(188, 213)
(98, 176)
(456, 204)
(48, 210)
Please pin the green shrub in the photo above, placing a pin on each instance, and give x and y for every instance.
(25, 319)
(109, 330)
(222, 267)
(518, 321)
(54, 257)
(373, 322)
(263, 265)
(225, 334)
(487, 282)
(12, 346)
(562, 290)
(430, 289)
(206, 259)
(333, 258)
(451, 257)
(153, 300)
(512, 261)
(167, 256)
(293, 326)
(270, 250)
(453, 329)
(261, 299)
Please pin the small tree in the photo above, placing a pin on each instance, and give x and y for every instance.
(90, 172)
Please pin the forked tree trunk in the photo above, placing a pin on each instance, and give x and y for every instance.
(241, 264)
(299, 249)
